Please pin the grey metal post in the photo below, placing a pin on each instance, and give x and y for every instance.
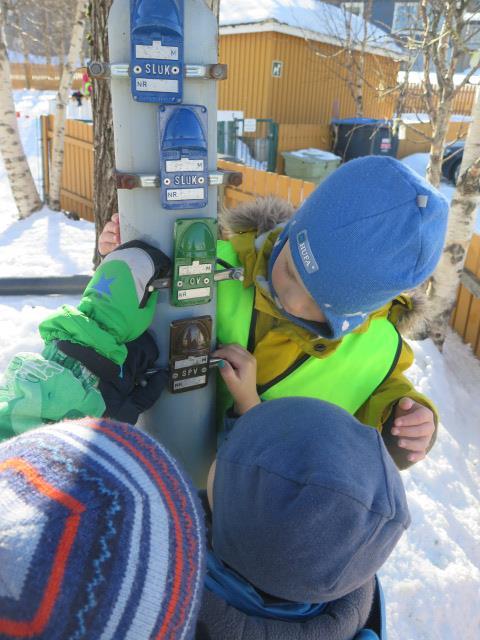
(184, 423)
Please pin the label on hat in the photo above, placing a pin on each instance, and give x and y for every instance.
(306, 253)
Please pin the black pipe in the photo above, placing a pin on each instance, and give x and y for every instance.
(61, 285)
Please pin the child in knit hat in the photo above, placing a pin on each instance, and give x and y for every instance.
(317, 312)
(94, 353)
(307, 505)
(101, 536)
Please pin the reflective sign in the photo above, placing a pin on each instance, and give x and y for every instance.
(157, 65)
(183, 156)
(194, 256)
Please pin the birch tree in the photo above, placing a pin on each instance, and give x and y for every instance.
(356, 38)
(445, 280)
(71, 63)
(20, 177)
(443, 42)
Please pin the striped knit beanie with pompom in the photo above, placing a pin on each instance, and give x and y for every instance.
(101, 536)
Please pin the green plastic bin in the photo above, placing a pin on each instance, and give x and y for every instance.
(313, 165)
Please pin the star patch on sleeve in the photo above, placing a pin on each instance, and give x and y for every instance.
(103, 285)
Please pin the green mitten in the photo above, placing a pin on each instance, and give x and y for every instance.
(116, 306)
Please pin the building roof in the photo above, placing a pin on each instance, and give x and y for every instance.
(309, 19)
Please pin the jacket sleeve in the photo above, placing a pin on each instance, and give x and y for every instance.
(117, 305)
(378, 410)
(341, 620)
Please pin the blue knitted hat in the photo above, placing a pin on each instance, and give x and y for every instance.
(101, 536)
(372, 230)
(307, 502)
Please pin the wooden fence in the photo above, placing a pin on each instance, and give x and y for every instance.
(40, 76)
(415, 140)
(263, 183)
(415, 99)
(76, 193)
(466, 317)
(77, 197)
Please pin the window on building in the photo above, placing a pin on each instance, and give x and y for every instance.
(406, 17)
(472, 31)
(354, 7)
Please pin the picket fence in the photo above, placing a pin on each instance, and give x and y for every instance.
(77, 197)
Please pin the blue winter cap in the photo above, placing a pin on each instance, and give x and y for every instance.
(373, 229)
(101, 536)
(307, 502)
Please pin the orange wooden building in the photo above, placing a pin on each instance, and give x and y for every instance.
(287, 66)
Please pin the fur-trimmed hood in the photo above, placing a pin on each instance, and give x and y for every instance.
(265, 213)
(261, 214)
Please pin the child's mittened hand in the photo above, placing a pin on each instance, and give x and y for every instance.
(414, 425)
(239, 373)
(109, 239)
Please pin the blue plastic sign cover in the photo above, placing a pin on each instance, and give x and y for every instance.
(157, 65)
(183, 156)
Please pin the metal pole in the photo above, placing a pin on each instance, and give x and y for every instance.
(184, 422)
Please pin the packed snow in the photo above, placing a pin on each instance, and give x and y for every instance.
(432, 580)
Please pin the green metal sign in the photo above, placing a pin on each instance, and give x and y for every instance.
(195, 244)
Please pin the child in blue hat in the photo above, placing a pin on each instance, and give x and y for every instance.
(319, 309)
(306, 506)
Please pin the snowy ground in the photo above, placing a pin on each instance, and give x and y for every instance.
(432, 580)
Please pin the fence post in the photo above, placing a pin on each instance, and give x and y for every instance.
(45, 157)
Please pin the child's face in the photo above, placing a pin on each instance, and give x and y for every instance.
(290, 289)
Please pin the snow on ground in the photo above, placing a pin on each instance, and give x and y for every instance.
(432, 580)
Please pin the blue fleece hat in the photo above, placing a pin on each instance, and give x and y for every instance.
(372, 230)
(307, 502)
(101, 536)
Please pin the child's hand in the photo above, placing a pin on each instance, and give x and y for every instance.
(414, 424)
(240, 375)
(109, 239)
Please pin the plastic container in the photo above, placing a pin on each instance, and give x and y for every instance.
(313, 165)
(355, 137)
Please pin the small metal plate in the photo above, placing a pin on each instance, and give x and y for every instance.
(183, 138)
(190, 343)
(194, 255)
(157, 64)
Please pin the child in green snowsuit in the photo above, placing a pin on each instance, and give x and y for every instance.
(94, 353)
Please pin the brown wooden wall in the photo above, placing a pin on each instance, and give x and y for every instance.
(309, 91)
(301, 136)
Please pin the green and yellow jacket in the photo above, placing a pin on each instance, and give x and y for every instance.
(364, 372)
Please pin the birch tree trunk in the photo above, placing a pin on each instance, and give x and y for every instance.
(439, 136)
(214, 6)
(445, 280)
(20, 177)
(69, 67)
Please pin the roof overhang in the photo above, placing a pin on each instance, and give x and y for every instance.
(305, 34)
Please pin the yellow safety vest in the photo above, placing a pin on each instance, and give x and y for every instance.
(347, 377)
